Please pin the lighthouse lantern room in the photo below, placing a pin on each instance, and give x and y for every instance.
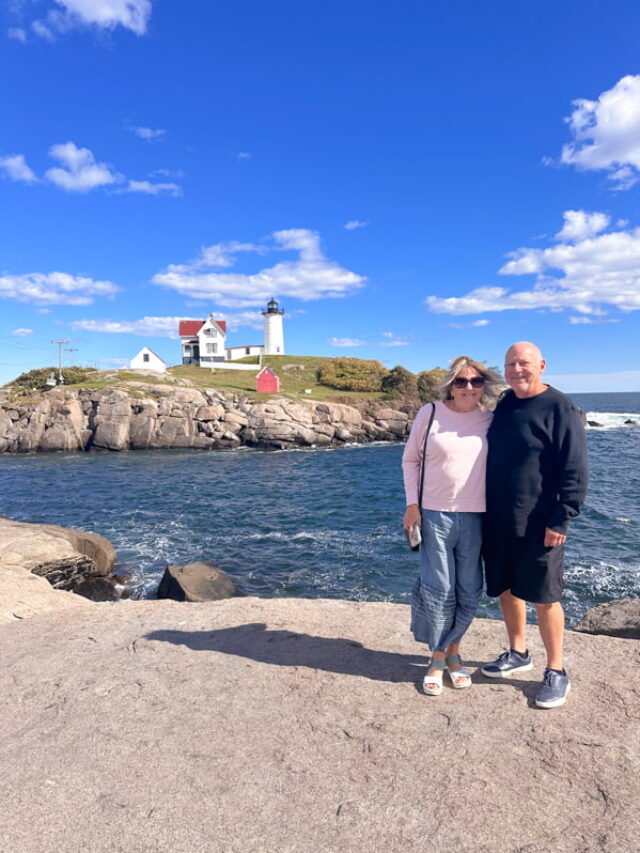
(273, 332)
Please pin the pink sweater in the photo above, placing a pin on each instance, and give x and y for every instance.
(454, 472)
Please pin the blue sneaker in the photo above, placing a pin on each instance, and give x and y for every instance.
(554, 689)
(508, 663)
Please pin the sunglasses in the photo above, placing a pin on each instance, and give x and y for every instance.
(475, 382)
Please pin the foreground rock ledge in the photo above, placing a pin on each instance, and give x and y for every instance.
(31, 552)
(256, 726)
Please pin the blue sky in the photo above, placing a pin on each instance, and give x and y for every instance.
(412, 180)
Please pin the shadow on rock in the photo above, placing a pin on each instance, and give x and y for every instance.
(288, 648)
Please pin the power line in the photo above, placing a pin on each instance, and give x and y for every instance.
(60, 343)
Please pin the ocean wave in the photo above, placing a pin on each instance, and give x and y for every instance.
(612, 420)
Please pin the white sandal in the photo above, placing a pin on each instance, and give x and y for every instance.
(432, 684)
(460, 678)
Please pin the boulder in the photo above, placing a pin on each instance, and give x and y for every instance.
(199, 581)
(619, 618)
(35, 556)
(60, 436)
(210, 413)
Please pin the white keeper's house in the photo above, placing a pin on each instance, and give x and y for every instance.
(204, 341)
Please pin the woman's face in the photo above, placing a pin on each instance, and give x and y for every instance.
(467, 397)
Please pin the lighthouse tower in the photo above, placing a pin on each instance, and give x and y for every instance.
(273, 334)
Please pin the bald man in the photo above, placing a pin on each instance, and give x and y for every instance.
(536, 483)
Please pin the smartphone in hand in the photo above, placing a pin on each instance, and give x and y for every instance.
(414, 537)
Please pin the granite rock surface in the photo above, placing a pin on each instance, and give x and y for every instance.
(35, 556)
(288, 726)
(160, 416)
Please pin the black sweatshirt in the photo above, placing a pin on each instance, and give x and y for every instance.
(536, 466)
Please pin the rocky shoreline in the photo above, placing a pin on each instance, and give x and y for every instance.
(157, 416)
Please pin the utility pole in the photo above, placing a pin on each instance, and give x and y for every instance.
(71, 350)
(60, 344)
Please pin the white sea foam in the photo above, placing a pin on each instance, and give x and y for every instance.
(612, 420)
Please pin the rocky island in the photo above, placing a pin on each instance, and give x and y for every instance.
(147, 416)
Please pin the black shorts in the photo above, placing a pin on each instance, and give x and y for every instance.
(523, 565)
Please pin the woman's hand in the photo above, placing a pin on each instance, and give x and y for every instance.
(412, 516)
(551, 538)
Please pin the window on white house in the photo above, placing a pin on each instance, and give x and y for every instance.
(145, 356)
(187, 349)
(247, 350)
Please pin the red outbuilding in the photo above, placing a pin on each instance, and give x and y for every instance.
(267, 382)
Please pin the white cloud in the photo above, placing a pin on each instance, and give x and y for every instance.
(17, 33)
(167, 173)
(114, 362)
(591, 321)
(79, 172)
(156, 327)
(55, 288)
(17, 169)
(149, 134)
(152, 189)
(165, 327)
(606, 133)
(352, 224)
(311, 276)
(472, 325)
(244, 155)
(391, 340)
(21, 333)
(579, 225)
(68, 15)
(594, 273)
(346, 342)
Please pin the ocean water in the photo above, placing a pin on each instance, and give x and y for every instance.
(312, 523)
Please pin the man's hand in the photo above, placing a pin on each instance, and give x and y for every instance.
(412, 516)
(551, 538)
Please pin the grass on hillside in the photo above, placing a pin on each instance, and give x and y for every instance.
(292, 382)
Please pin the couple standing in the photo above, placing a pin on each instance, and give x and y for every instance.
(506, 483)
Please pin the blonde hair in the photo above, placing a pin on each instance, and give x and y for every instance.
(493, 384)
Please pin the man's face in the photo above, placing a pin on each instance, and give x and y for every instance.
(523, 368)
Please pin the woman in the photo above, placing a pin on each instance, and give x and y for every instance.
(447, 591)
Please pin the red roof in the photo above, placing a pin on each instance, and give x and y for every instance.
(189, 328)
